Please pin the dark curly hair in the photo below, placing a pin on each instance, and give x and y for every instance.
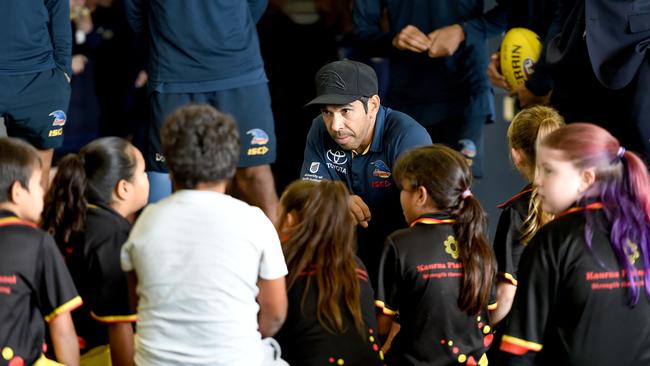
(201, 145)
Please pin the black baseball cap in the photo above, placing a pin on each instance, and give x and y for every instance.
(343, 82)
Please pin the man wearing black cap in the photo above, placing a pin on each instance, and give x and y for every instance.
(357, 141)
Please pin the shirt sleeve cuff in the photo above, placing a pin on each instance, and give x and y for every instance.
(507, 277)
(108, 319)
(384, 309)
(518, 346)
(72, 304)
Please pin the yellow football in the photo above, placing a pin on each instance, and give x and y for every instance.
(520, 50)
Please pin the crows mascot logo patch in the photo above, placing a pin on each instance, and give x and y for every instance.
(381, 169)
(59, 118)
(259, 136)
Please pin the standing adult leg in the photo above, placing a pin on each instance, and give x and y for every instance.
(251, 108)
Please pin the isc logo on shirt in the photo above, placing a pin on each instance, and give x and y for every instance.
(54, 133)
(258, 150)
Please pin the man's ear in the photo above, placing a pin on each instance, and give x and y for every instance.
(587, 179)
(373, 105)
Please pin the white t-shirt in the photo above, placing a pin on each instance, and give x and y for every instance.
(198, 256)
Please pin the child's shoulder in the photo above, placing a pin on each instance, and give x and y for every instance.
(11, 226)
(565, 229)
(417, 234)
(519, 201)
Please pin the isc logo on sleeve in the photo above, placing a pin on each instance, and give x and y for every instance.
(55, 133)
(262, 150)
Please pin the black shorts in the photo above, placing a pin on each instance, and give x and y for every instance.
(34, 106)
(250, 106)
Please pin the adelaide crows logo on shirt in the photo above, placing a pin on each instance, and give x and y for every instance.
(381, 169)
(59, 118)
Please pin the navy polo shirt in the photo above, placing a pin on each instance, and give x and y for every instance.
(368, 175)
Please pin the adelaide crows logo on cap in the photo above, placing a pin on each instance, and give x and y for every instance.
(331, 79)
(59, 118)
(259, 136)
(381, 169)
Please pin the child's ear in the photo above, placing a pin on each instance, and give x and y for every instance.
(587, 178)
(292, 219)
(16, 192)
(422, 197)
(122, 189)
(517, 157)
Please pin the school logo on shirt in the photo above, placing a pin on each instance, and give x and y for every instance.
(259, 136)
(313, 168)
(59, 118)
(337, 157)
(381, 169)
(451, 247)
(632, 252)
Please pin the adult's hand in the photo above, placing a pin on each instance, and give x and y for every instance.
(79, 64)
(446, 40)
(359, 210)
(142, 79)
(527, 98)
(411, 39)
(494, 73)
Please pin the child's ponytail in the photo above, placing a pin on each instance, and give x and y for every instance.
(475, 253)
(65, 202)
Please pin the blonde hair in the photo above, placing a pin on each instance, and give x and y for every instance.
(525, 134)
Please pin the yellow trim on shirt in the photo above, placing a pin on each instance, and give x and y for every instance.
(384, 309)
(114, 318)
(522, 343)
(493, 306)
(510, 278)
(68, 306)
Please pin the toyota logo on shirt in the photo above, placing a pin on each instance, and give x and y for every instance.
(337, 157)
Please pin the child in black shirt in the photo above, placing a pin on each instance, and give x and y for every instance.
(88, 203)
(582, 297)
(438, 275)
(34, 282)
(522, 214)
(331, 317)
